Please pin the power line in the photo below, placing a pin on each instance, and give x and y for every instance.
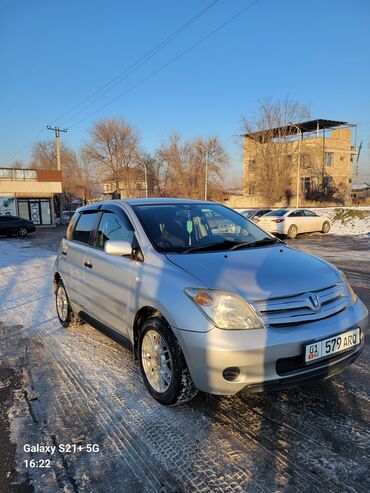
(118, 78)
(160, 69)
(133, 67)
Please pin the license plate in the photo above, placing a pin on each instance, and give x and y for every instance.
(336, 344)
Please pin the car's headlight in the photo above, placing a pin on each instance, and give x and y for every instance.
(346, 283)
(225, 310)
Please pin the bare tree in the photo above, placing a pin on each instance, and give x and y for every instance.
(268, 151)
(18, 164)
(44, 155)
(114, 147)
(182, 166)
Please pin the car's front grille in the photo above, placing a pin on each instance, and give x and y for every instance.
(301, 308)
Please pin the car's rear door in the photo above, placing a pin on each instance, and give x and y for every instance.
(297, 218)
(109, 279)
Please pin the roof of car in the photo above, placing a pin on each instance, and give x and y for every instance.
(150, 201)
(161, 201)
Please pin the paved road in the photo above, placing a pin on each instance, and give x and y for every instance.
(79, 387)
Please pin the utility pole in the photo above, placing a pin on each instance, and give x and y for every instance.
(57, 131)
(299, 135)
(205, 149)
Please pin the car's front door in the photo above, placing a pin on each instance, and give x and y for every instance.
(108, 279)
(73, 257)
(314, 223)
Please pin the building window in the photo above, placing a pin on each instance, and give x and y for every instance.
(252, 163)
(251, 189)
(329, 158)
(36, 210)
(306, 184)
(305, 160)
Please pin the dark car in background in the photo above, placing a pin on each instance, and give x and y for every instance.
(15, 225)
(255, 214)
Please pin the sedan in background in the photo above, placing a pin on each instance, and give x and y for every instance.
(255, 214)
(291, 222)
(15, 225)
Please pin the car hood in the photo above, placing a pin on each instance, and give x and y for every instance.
(259, 273)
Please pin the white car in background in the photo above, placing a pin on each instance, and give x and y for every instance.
(291, 222)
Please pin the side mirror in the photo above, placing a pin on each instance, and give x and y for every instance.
(118, 248)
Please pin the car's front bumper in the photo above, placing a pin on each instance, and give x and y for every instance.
(256, 353)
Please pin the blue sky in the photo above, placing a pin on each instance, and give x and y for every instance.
(54, 54)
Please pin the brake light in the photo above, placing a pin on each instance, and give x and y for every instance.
(278, 220)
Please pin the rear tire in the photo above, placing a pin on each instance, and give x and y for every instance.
(325, 227)
(292, 232)
(162, 364)
(22, 231)
(63, 307)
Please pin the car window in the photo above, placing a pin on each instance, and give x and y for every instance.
(310, 213)
(277, 212)
(179, 227)
(296, 214)
(113, 227)
(262, 213)
(85, 225)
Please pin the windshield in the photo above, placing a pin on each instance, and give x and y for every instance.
(183, 228)
(278, 212)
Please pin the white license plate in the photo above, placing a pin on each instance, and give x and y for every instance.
(321, 349)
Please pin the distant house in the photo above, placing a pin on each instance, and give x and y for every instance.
(361, 191)
(133, 186)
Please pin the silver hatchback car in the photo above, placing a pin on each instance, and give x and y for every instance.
(222, 311)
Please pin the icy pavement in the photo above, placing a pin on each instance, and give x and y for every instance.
(79, 387)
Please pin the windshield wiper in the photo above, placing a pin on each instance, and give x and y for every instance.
(265, 241)
(224, 245)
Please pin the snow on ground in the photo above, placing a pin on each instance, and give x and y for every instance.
(81, 387)
(347, 220)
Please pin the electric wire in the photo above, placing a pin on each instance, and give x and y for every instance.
(173, 60)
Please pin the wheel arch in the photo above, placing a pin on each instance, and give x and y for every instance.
(143, 314)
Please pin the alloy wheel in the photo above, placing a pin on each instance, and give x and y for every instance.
(62, 303)
(156, 361)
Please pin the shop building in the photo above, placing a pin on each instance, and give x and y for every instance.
(29, 193)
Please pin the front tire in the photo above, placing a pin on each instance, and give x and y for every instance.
(64, 310)
(292, 232)
(22, 231)
(162, 364)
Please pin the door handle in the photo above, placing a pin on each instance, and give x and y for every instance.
(88, 264)
(64, 252)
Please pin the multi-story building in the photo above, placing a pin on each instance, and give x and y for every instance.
(312, 159)
(29, 193)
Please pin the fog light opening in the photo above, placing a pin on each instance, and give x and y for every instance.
(231, 374)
